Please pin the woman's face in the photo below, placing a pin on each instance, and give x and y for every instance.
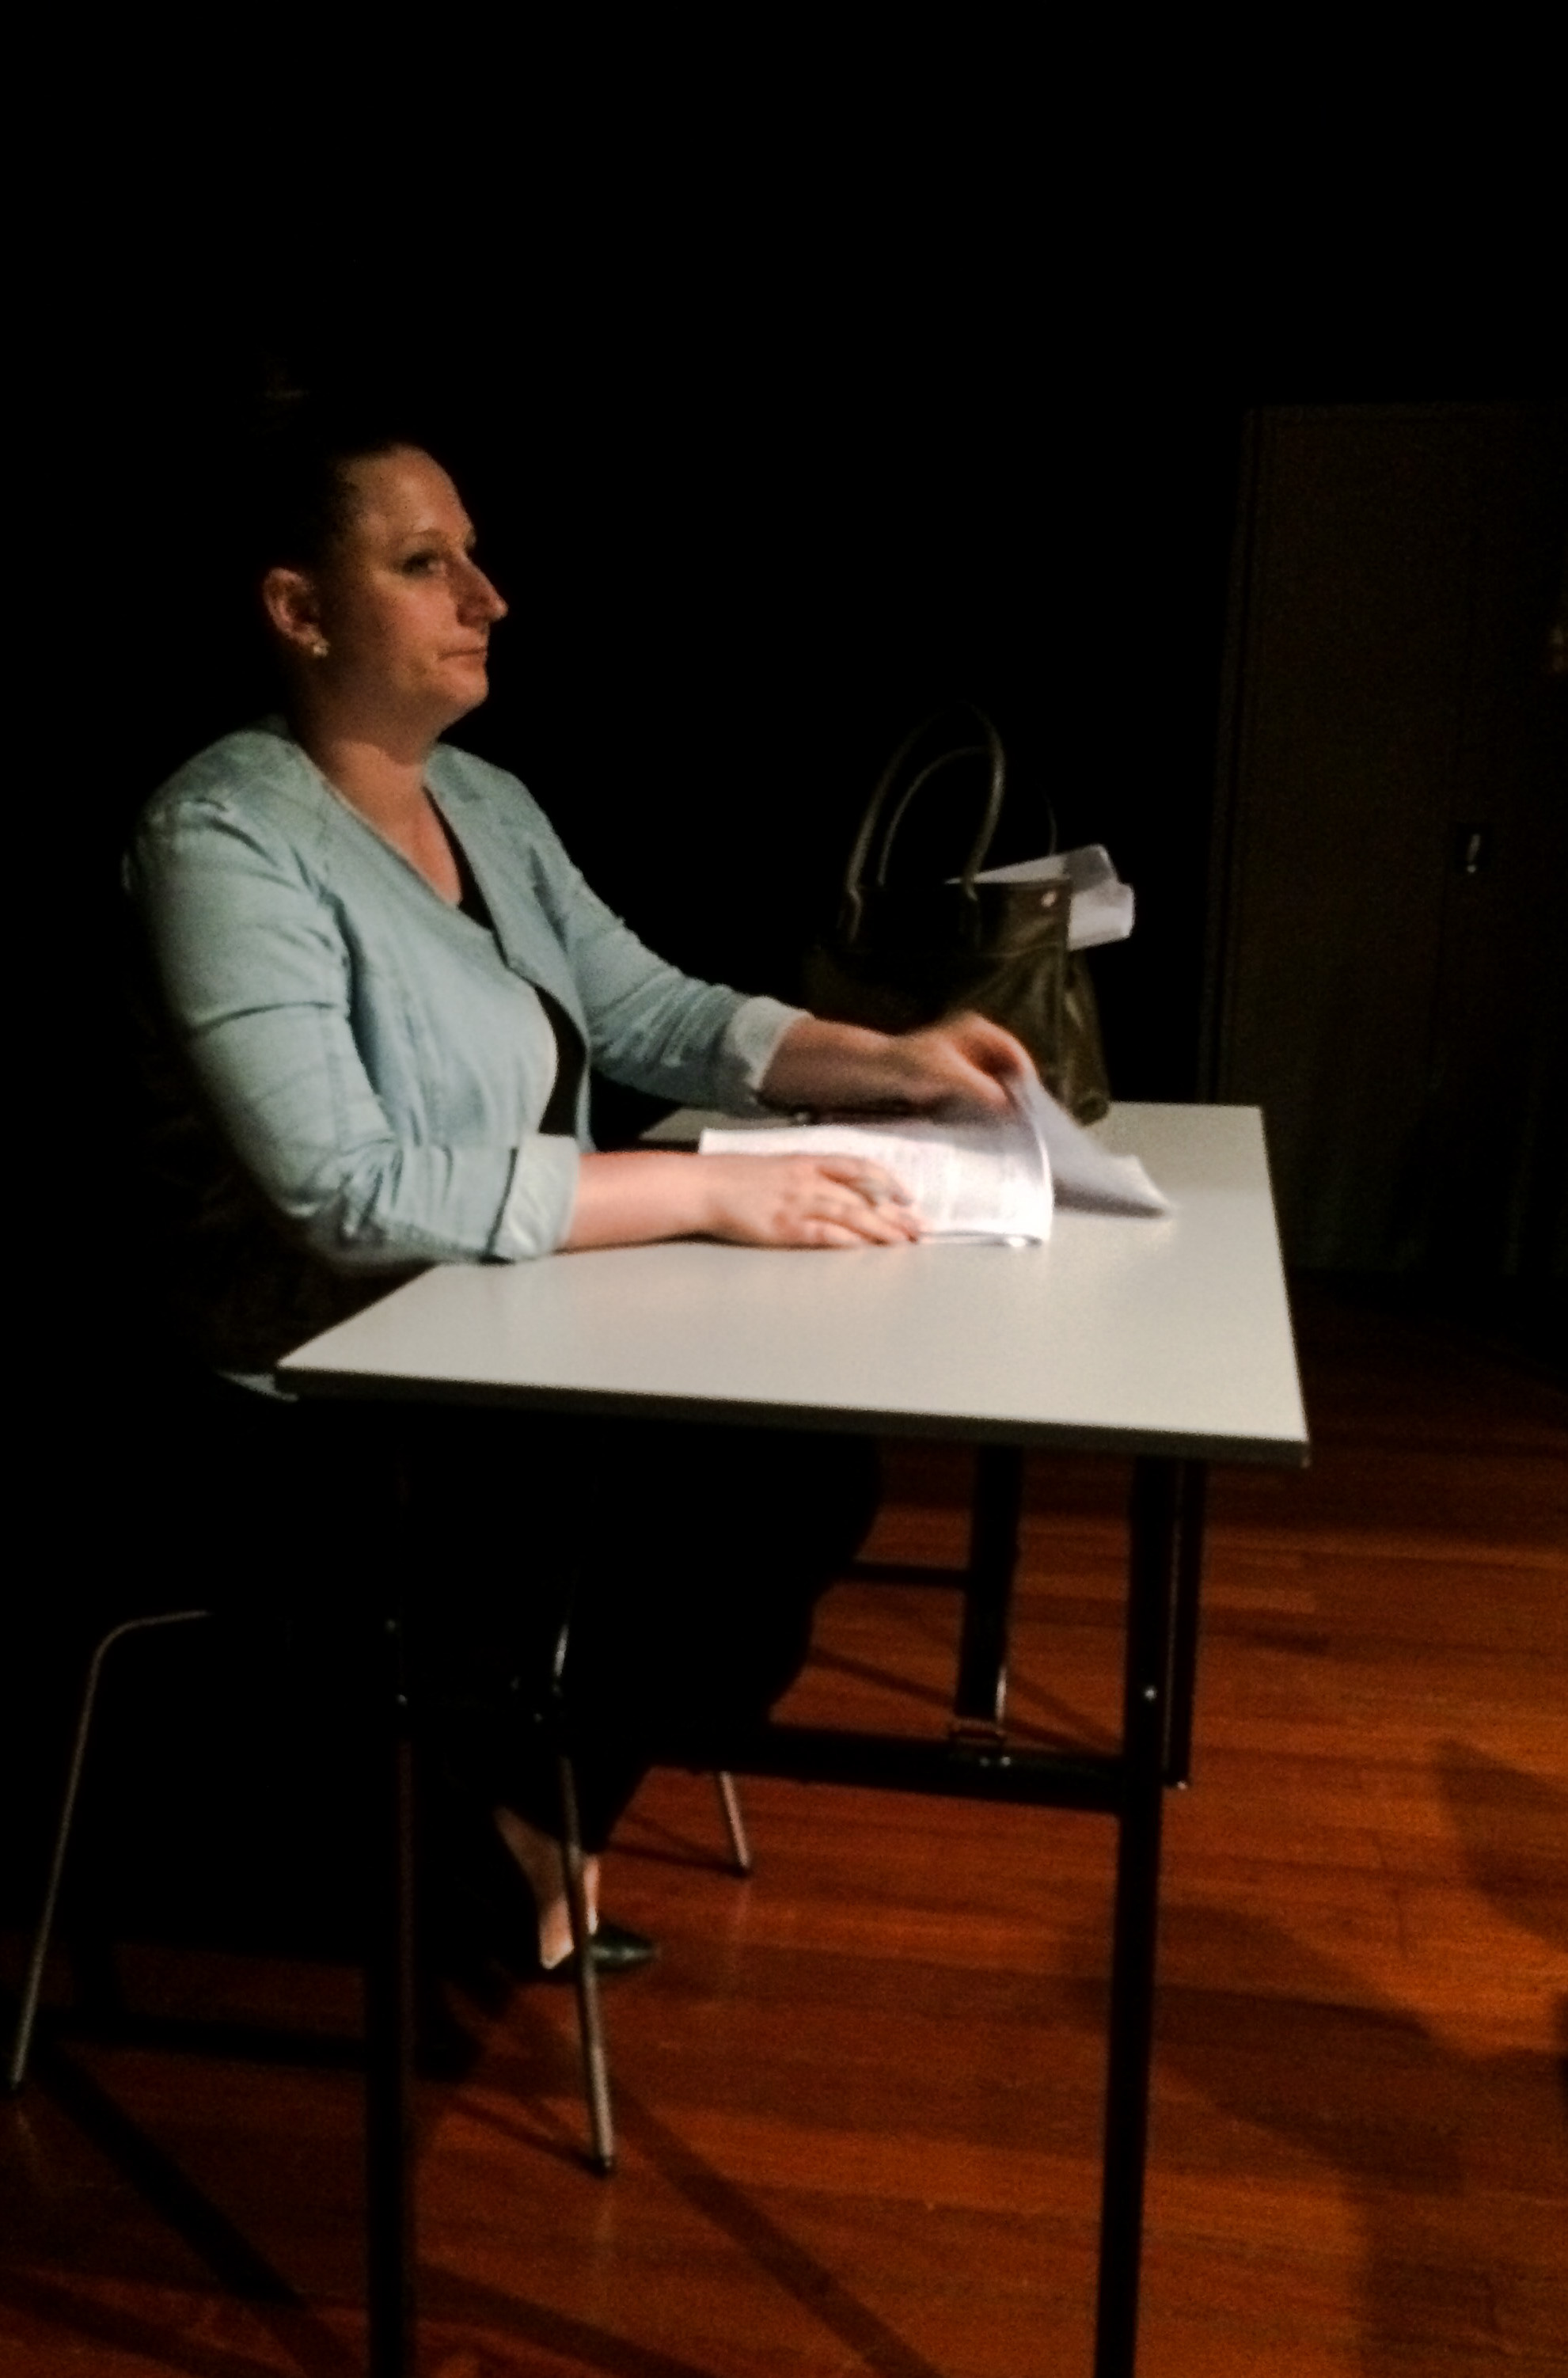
(402, 609)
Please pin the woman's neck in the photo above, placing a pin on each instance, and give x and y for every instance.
(380, 774)
(382, 778)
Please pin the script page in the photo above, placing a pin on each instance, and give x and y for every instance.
(964, 1179)
(1083, 1172)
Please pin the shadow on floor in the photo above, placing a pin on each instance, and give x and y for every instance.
(1417, 2129)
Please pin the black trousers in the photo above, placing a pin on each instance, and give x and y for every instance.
(684, 1562)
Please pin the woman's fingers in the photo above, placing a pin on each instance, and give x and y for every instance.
(875, 1183)
(797, 1201)
(864, 1206)
(990, 1046)
(968, 1059)
(856, 1223)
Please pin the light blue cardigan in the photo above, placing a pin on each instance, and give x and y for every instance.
(376, 1066)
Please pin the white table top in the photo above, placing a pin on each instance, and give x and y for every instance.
(1121, 1335)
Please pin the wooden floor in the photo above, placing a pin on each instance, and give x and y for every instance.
(861, 2094)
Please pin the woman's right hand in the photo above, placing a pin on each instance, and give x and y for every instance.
(804, 1201)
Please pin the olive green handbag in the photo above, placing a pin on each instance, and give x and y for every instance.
(902, 955)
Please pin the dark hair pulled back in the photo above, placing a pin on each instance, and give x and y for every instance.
(298, 497)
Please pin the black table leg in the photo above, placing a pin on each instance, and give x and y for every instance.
(1191, 1497)
(1155, 1489)
(388, 2021)
(980, 1701)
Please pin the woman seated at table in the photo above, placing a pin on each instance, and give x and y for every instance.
(380, 982)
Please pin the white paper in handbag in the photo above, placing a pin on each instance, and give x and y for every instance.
(1103, 906)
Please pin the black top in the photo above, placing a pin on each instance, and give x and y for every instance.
(560, 1118)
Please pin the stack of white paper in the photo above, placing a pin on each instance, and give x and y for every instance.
(975, 1180)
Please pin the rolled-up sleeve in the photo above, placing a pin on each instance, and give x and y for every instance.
(750, 1044)
(541, 1200)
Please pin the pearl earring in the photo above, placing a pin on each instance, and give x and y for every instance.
(319, 649)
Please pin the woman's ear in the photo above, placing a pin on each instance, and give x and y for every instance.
(294, 612)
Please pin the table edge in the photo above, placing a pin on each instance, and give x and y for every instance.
(327, 1385)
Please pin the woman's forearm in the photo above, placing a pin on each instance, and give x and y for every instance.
(966, 1060)
(628, 1198)
(758, 1201)
(822, 1064)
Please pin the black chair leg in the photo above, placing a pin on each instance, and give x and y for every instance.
(591, 2026)
(21, 2042)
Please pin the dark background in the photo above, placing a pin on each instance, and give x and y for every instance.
(743, 558)
(1387, 975)
(799, 381)
(775, 443)
(760, 504)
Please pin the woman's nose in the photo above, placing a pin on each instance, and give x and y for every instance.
(476, 596)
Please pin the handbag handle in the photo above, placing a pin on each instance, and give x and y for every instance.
(991, 748)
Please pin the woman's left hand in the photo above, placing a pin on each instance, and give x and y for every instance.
(962, 1064)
